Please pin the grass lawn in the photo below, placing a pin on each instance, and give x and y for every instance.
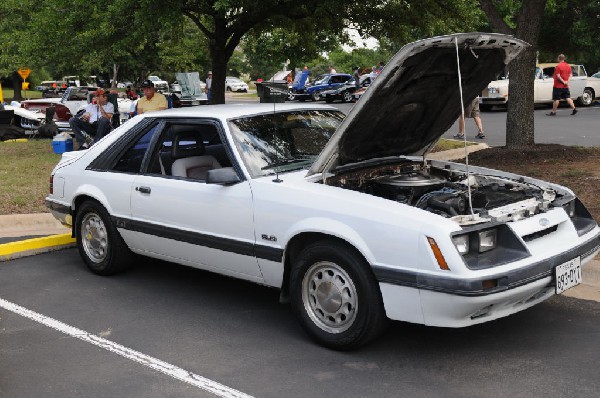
(25, 175)
(8, 94)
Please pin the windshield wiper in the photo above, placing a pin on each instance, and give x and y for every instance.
(286, 162)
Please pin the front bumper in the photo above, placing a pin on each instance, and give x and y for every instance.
(451, 302)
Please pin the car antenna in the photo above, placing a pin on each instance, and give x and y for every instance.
(462, 110)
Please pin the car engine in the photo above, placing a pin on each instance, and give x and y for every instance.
(446, 192)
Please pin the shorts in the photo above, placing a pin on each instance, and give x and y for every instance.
(560, 94)
(473, 109)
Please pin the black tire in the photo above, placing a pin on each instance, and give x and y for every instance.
(315, 96)
(291, 96)
(335, 296)
(100, 245)
(228, 88)
(347, 97)
(587, 98)
(328, 100)
(485, 108)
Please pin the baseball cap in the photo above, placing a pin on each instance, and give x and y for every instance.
(147, 84)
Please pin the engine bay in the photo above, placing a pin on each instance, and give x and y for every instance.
(445, 192)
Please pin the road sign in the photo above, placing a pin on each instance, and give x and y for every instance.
(24, 72)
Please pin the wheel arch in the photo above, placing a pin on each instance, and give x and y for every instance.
(300, 241)
(77, 202)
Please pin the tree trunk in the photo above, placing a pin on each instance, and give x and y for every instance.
(218, 54)
(114, 77)
(520, 130)
(16, 78)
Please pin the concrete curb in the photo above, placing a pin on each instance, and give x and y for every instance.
(458, 153)
(16, 225)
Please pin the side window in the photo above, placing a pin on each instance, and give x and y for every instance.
(131, 161)
(188, 150)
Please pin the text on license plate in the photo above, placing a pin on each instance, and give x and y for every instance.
(568, 275)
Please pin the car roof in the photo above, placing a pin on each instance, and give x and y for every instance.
(230, 111)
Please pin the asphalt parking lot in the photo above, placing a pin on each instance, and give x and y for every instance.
(163, 330)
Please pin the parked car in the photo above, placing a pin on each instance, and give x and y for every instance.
(345, 93)
(497, 91)
(345, 215)
(312, 90)
(593, 86)
(235, 84)
(160, 85)
(73, 100)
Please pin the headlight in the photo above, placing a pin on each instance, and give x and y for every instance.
(478, 241)
(487, 240)
(462, 243)
(570, 208)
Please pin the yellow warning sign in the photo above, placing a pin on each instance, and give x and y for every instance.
(24, 73)
(1, 97)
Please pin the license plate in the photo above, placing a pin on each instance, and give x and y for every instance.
(568, 275)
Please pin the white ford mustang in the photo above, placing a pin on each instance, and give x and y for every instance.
(345, 215)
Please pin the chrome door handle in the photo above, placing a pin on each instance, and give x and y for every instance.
(143, 189)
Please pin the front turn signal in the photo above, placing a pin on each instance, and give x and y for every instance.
(439, 257)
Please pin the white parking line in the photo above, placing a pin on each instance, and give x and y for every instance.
(153, 363)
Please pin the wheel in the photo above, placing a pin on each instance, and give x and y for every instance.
(291, 96)
(315, 96)
(587, 98)
(347, 97)
(335, 296)
(329, 100)
(244, 90)
(485, 108)
(228, 88)
(100, 244)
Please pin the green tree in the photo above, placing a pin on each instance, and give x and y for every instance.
(15, 51)
(523, 19)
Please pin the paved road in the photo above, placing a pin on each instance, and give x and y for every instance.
(582, 129)
(235, 333)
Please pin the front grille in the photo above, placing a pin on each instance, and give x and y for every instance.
(539, 234)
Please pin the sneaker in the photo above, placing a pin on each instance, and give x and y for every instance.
(551, 114)
(459, 136)
(574, 112)
(480, 135)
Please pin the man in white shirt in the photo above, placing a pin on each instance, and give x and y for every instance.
(95, 121)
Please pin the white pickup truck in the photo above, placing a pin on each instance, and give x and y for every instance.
(160, 85)
(496, 92)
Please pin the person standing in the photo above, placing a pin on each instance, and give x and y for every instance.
(95, 122)
(560, 89)
(332, 69)
(208, 86)
(151, 101)
(471, 111)
(356, 77)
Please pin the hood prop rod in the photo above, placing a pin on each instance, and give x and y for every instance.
(462, 110)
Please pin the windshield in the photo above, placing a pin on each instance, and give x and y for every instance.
(282, 142)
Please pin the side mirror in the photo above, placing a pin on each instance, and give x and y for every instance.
(224, 176)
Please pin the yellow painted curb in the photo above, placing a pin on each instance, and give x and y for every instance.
(29, 247)
(16, 140)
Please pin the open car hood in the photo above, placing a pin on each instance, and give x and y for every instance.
(416, 98)
(190, 84)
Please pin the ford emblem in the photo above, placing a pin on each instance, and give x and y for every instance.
(544, 222)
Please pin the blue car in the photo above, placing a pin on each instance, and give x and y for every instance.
(303, 91)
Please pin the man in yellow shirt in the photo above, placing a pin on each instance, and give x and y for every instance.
(151, 101)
